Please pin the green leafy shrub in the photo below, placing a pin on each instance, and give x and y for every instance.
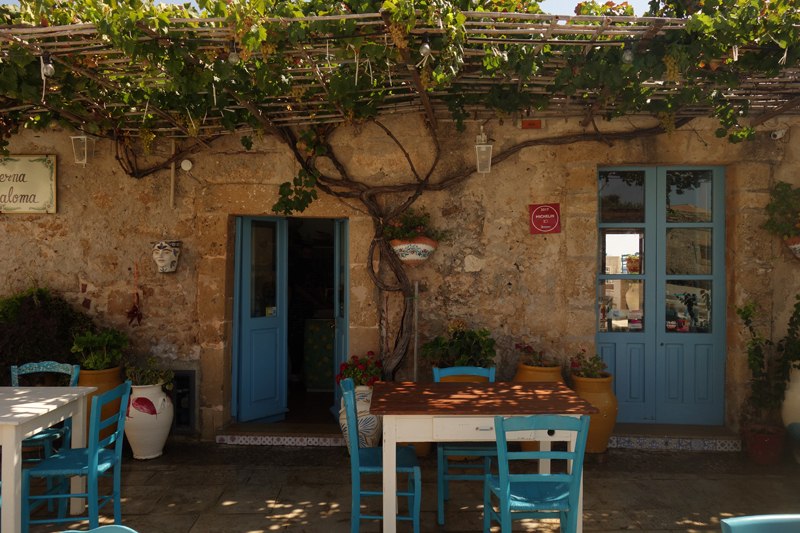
(463, 348)
(37, 326)
(100, 351)
(150, 374)
(783, 211)
(411, 224)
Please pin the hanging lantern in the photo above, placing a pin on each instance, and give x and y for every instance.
(483, 152)
(83, 148)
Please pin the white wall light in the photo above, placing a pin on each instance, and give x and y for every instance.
(83, 148)
(483, 153)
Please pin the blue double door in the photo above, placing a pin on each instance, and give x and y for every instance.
(661, 292)
(260, 369)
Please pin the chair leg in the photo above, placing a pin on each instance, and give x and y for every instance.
(63, 488)
(487, 508)
(355, 506)
(26, 506)
(48, 452)
(417, 497)
(117, 493)
(94, 510)
(440, 482)
(505, 517)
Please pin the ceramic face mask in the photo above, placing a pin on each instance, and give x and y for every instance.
(166, 254)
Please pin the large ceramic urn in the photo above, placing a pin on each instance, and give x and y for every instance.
(369, 425)
(598, 392)
(790, 412)
(148, 421)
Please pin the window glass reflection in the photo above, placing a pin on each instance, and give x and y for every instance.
(263, 269)
(688, 251)
(688, 306)
(689, 196)
(621, 305)
(622, 196)
(622, 251)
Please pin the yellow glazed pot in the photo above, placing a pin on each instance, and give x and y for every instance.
(104, 380)
(597, 391)
(532, 374)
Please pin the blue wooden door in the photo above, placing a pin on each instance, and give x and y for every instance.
(341, 303)
(661, 292)
(260, 319)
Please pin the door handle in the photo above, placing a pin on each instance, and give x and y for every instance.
(662, 344)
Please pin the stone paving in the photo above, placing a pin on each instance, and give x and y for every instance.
(212, 488)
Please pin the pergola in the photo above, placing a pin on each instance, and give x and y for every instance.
(95, 79)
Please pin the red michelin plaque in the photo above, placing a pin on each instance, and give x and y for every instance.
(545, 218)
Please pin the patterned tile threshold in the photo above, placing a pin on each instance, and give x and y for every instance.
(675, 437)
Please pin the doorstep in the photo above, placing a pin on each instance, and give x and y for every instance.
(280, 434)
(675, 437)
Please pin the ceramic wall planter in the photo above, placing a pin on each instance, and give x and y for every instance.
(148, 420)
(597, 391)
(794, 245)
(415, 251)
(104, 380)
(764, 443)
(790, 412)
(369, 426)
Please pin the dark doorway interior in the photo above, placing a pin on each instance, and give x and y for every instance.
(311, 325)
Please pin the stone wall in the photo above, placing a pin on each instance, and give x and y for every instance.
(492, 273)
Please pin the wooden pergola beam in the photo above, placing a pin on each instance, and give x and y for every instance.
(597, 35)
(651, 32)
(266, 122)
(423, 95)
(791, 104)
(321, 79)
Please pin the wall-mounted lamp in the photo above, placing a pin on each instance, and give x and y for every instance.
(627, 54)
(425, 47)
(48, 69)
(83, 148)
(483, 152)
(186, 165)
(233, 57)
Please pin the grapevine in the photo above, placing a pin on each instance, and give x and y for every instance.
(297, 93)
(398, 36)
(425, 77)
(667, 122)
(147, 137)
(671, 63)
(268, 49)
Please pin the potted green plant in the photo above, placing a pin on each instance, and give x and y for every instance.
(533, 367)
(591, 382)
(784, 215)
(99, 355)
(411, 237)
(465, 347)
(764, 441)
(364, 371)
(150, 410)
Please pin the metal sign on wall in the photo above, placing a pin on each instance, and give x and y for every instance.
(545, 218)
(28, 184)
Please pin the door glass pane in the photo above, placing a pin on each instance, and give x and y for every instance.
(622, 196)
(689, 251)
(621, 305)
(340, 282)
(263, 269)
(688, 306)
(622, 251)
(689, 196)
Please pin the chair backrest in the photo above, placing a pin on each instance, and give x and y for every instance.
(106, 529)
(97, 424)
(349, 396)
(45, 366)
(439, 373)
(771, 523)
(579, 425)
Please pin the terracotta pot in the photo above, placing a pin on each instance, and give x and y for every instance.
(764, 443)
(790, 412)
(415, 251)
(532, 374)
(148, 421)
(369, 425)
(456, 378)
(794, 245)
(104, 380)
(597, 391)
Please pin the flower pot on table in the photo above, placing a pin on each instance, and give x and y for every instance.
(413, 251)
(598, 392)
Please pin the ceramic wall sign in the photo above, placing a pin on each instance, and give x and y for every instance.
(166, 254)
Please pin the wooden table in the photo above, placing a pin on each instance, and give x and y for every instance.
(454, 412)
(23, 412)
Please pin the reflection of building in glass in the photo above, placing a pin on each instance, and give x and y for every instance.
(687, 309)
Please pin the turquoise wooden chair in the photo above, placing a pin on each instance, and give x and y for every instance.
(449, 449)
(47, 437)
(522, 496)
(370, 461)
(106, 529)
(94, 462)
(771, 523)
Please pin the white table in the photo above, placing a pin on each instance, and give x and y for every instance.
(23, 412)
(455, 412)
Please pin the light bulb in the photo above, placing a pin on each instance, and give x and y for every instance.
(48, 69)
(627, 54)
(424, 49)
(233, 58)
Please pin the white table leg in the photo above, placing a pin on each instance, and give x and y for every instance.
(78, 483)
(11, 490)
(544, 464)
(389, 474)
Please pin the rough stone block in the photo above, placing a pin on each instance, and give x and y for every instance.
(363, 340)
(582, 236)
(748, 176)
(212, 235)
(212, 361)
(210, 301)
(361, 232)
(363, 299)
